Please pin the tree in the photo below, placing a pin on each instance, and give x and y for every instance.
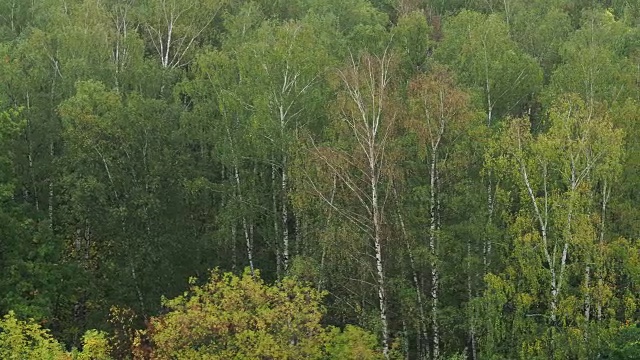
(361, 160)
(438, 113)
(28, 340)
(556, 175)
(174, 28)
(284, 90)
(595, 61)
(234, 317)
(479, 49)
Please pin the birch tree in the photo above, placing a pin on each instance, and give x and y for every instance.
(174, 28)
(556, 173)
(282, 72)
(479, 49)
(360, 158)
(437, 111)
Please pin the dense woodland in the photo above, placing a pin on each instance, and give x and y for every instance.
(438, 179)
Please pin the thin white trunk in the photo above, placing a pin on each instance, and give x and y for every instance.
(376, 218)
(542, 222)
(276, 227)
(567, 239)
(165, 59)
(487, 86)
(135, 282)
(486, 248)
(13, 6)
(433, 250)
(507, 14)
(51, 153)
(30, 158)
(234, 261)
(606, 192)
(245, 226)
(587, 292)
(587, 287)
(329, 217)
(285, 216)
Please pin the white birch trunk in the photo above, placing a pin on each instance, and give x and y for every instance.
(377, 237)
(32, 175)
(285, 216)
(433, 250)
(51, 153)
(245, 226)
(276, 227)
(606, 192)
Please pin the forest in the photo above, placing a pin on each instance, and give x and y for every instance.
(320, 179)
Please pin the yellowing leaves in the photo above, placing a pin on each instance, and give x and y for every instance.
(240, 317)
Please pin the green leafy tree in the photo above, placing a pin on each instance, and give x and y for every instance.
(556, 174)
(480, 51)
(28, 340)
(595, 63)
(239, 317)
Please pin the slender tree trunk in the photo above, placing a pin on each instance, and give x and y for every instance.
(328, 224)
(234, 256)
(285, 215)
(472, 330)
(245, 226)
(587, 291)
(376, 218)
(486, 248)
(606, 192)
(299, 228)
(433, 250)
(416, 283)
(276, 228)
(30, 158)
(134, 277)
(51, 153)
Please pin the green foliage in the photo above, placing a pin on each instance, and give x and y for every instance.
(479, 49)
(238, 317)
(22, 340)
(411, 38)
(594, 64)
(625, 343)
(144, 142)
(11, 124)
(28, 340)
(351, 343)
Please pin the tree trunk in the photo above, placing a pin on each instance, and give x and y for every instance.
(245, 226)
(472, 330)
(433, 251)
(606, 193)
(276, 227)
(51, 153)
(422, 321)
(377, 238)
(285, 216)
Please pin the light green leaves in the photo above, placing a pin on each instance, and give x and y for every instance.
(241, 317)
(28, 340)
(479, 50)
